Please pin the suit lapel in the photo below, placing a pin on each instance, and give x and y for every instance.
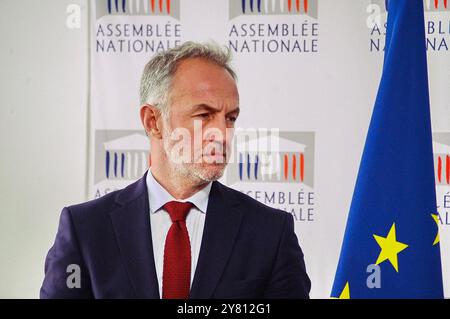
(222, 223)
(131, 223)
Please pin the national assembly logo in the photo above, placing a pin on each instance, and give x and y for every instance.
(138, 7)
(437, 25)
(273, 26)
(120, 157)
(273, 7)
(441, 157)
(150, 26)
(276, 168)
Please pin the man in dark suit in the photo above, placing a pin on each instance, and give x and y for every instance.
(177, 232)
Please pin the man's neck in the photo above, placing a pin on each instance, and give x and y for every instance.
(177, 186)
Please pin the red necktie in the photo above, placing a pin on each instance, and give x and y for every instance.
(177, 253)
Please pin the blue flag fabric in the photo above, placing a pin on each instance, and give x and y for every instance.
(391, 243)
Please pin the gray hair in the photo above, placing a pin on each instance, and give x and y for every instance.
(159, 71)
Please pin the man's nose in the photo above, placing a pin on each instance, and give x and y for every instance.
(218, 130)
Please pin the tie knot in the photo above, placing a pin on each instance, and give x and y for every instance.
(178, 210)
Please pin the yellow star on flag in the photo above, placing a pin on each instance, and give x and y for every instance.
(390, 247)
(436, 219)
(345, 294)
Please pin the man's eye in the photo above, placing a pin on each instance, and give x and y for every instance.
(203, 115)
(232, 118)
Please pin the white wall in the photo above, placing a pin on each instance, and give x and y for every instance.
(43, 81)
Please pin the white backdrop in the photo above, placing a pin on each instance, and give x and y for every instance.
(43, 109)
(311, 71)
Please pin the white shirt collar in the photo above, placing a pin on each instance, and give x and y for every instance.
(158, 195)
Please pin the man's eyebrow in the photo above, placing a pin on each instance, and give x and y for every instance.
(209, 108)
(204, 106)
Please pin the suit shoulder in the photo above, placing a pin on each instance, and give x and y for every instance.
(110, 201)
(95, 206)
(255, 207)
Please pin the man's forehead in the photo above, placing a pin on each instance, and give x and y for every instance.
(201, 81)
(198, 74)
(206, 92)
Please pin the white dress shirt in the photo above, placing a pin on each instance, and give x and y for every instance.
(160, 222)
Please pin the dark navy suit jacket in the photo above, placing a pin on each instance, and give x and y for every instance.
(248, 249)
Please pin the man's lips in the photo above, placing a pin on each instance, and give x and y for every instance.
(214, 157)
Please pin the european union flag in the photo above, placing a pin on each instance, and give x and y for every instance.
(391, 242)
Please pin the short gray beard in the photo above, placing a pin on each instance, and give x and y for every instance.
(193, 172)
